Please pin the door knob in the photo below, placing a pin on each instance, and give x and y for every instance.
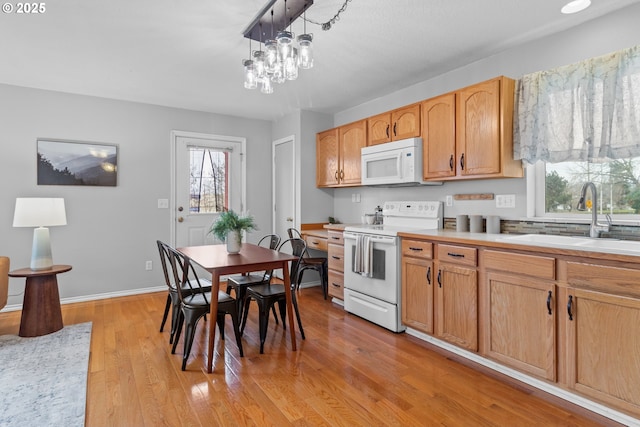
(289, 219)
(180, 219)
(180, 208)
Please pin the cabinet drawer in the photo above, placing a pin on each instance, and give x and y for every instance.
(417, 249)
(530, 265)
(316, 243)
(336, 257)
(335, 237)
(336, 284)
(615, 280)
(457, 254)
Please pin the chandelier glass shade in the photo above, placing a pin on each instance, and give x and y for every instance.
(284, 54)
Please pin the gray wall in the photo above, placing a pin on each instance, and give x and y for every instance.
(111, 231)
(598, 37)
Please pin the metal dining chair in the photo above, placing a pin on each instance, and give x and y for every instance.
(308, 262)
(268, 294)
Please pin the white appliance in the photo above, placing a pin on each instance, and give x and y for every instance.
(372, 273)
(393, 163)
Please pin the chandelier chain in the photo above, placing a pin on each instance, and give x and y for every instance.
(327, 25)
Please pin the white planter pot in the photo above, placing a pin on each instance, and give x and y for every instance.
(234, 242)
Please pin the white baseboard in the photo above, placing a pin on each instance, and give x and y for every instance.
(539, 384)
(95, 297)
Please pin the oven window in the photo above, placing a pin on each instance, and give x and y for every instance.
(378, 262)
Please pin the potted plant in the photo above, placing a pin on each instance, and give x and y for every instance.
(229, 227)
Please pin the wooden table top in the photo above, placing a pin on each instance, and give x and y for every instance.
(216, 257)
(27, 272)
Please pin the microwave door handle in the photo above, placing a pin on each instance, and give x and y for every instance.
(399, 163)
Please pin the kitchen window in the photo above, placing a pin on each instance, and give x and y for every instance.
(556, 188)
(580, 123)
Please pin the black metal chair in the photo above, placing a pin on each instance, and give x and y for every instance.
(268, 294)
(195, 303)
(308, 262)
(240, 283)
(173, 301)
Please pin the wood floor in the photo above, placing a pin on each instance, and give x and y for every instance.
(348, 372)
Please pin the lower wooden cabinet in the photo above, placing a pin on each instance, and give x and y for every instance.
(521, 323)
(571, 323)
(335, 259)
(417, 294)
(603, 333)
(456, 305)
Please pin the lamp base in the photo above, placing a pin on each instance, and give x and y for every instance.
(41, 258)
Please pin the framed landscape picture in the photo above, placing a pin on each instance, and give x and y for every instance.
(77, 163)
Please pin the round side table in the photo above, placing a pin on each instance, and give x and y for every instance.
(41, 312)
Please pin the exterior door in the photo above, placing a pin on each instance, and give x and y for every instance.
(209, 177)
(283, 186)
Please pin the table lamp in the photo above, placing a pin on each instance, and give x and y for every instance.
(41, 213)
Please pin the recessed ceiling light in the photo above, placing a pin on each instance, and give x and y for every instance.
(575, 6)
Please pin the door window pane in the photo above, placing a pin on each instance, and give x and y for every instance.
(209, 182)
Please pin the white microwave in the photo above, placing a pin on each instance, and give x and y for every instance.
(393, 163)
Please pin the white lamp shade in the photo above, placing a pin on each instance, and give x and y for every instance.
(39, 212)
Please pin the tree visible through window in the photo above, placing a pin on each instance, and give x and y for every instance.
(617, 183)
(209, 172)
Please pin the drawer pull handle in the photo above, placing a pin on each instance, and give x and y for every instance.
(415, 249)
(440, 278)
(429, 275)
(335, 257)
(335, 238)
(549, 302)
(453, 254)
(569, 307)
(335, 284)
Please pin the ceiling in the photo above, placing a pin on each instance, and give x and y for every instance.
(188, 53)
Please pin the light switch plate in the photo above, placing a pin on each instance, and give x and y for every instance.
(505, 200)
(449, 200)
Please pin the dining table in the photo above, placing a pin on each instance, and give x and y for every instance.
(216, 260)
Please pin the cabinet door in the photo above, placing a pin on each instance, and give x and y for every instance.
(327, 158)
(456, 305)
(478, 129)
(352, 138)
(379, 129)
(417, 294)
(439, 137)
(406, 122)
(521, 324)
(603, 349)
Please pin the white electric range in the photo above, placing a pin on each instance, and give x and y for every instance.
(372, 274)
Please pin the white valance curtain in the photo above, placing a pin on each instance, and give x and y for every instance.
(580, 112)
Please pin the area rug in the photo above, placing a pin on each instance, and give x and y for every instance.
(43, 380)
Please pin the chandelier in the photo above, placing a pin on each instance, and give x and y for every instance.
(283, 54)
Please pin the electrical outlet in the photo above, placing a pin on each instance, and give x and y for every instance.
(505, 201)
(353, 197)
(148, 265)
(163, 203)
(449, 200)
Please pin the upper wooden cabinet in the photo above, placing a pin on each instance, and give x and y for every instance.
(394, 125)
(338, 155)
(327, 158)
(439, 137)
(483, 133)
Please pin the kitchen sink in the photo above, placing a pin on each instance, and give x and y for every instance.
(548, 239)
(623, 245)
(575, 241)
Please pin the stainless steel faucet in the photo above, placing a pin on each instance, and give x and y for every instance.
(596, 228)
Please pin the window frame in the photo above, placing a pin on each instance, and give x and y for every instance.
(535, 176)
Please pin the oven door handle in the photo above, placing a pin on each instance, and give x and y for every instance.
(374, 239)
